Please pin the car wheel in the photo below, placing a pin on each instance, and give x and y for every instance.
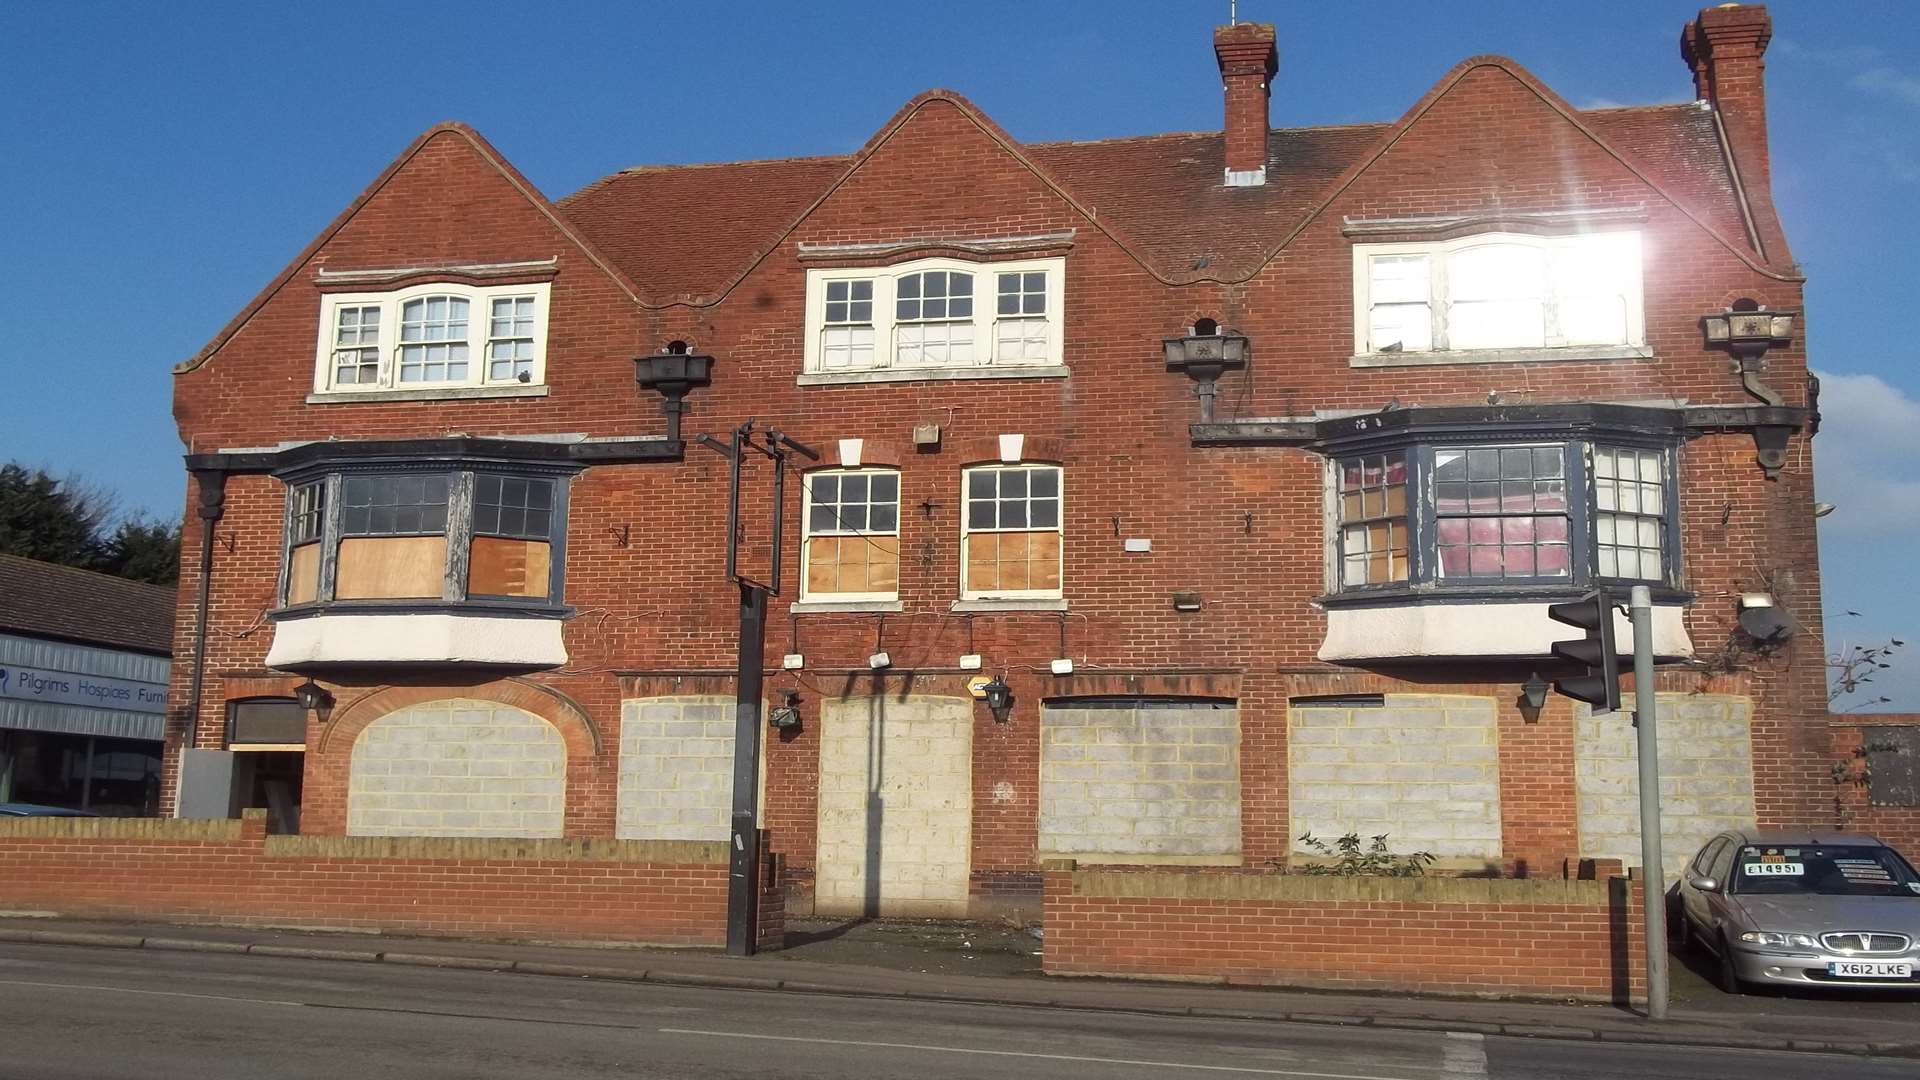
(1727, 977)
(1683, 936)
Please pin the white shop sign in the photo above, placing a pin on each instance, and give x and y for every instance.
(93, 691)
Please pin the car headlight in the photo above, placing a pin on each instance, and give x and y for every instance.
(1777, 940)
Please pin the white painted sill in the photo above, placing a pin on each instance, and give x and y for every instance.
(930, 374)
(441, 393)
(1038, 603)
(813, 607)
(1501, 356)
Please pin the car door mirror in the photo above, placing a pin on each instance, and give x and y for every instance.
(1703, 883)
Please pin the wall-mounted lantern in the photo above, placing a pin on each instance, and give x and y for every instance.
(673, 373)
(1533, 696)
(314, 698)
(999, 699)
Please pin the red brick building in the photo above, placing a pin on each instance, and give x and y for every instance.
(1450, 368)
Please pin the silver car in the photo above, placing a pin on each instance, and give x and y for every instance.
(1803, 908)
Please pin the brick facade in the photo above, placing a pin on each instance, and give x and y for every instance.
(716, 256)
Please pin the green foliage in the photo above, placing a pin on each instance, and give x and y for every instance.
(143, 550)
(1351, 860)
(66, 521)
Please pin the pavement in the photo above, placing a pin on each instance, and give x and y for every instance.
(1000, 965)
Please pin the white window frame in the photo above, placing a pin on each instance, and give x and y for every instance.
(967, 591)
(984, 321)
(807, 534)
(392, 303)
(1439, 254)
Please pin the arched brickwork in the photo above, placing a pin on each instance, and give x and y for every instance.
(458, 767)
(329, 755)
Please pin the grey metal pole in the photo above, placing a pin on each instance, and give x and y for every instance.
(1653, 878)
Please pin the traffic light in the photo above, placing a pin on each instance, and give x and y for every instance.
(1600, 686)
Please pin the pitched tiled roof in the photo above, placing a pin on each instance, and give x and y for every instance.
(691, 231)
(40, 599)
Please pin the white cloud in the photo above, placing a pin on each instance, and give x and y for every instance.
(1867, 457)
(1887, 82)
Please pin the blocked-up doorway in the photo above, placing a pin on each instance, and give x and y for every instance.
(896, 804)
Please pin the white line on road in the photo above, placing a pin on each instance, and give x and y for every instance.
(1464, 1054)
(149, 993)
(1025, 1054)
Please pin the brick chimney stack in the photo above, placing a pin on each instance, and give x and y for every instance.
(1725, 48)
(1248, 61)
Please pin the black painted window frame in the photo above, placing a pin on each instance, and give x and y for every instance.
(458, 529)
(1422, 524)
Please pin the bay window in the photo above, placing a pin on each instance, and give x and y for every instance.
(425, 535)
(1446, 301)
(1445, 514)
(934, 318)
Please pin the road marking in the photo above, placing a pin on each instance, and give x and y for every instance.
(1026, 1054)
(1464, 1053)
(149, 993)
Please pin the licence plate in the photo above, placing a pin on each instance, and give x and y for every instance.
(1870, 969)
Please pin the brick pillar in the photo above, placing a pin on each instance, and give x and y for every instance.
(1248, 61)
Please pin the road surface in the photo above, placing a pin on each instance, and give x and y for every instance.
(104, 1014)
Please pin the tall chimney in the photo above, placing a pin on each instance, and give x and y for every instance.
(1725, 48)
(1248, 61)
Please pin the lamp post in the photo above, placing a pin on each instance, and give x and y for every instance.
(743, 848)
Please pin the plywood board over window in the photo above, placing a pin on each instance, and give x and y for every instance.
(853, 564)
(303, 574)
(505, 567)
(391, 568)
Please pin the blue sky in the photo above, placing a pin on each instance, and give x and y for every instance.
(163, 161)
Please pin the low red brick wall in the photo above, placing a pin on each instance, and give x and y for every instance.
(1525, 938)
(231, 872)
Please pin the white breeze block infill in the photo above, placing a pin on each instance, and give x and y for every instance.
(1161, 781)
(1424, 770)
(458, 768)
(676, 768)
(1706, 777)
(896, 797)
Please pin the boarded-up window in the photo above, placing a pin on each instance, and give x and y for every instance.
(392, 568)
(512, 525)
(504, 567)
(393, 544)
(306, 514)
(1012, 541)
(853, 535)
(303, 574)
(1893, 766)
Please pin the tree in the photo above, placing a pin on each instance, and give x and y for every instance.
(143, 550)
(53, 520)
(65, 520)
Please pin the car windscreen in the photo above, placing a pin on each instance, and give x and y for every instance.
(1836, 870)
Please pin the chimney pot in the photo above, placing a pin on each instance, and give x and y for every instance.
(1248, 61)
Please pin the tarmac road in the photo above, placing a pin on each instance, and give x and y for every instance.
(68, 1012)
